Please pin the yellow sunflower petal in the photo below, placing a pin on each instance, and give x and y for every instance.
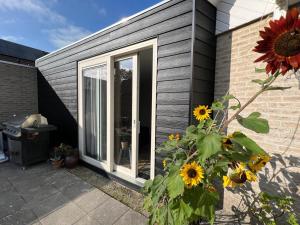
(202, 112)
(250, 176)
(192, 174)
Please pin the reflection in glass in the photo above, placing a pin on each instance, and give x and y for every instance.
(95, 104)
(123, 112)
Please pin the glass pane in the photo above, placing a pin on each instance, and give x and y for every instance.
(123, 112)
(95, 84)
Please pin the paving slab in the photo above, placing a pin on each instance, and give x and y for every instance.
(87, 220)
(109, 212)
(47, 206)
(22, 217)
(10, 202)
(66, 215)
(133, 218)
(91, 200)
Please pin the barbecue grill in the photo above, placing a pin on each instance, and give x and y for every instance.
(28, 139)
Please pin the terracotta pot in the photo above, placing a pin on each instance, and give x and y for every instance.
(71, 161)
(57, 163)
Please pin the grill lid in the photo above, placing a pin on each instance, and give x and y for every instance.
(25, 121)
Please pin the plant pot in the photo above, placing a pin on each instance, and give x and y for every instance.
(57, 163)
(124, 145)
(71, 161)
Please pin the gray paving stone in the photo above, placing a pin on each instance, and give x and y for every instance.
(67, 215)
(38, 193)
(22, 217)
(132, 218)
(5, 185)
(109, 212)
(87, 220)
(76, 189)
(47, 206)
(10, 202)
(90, 200)
(62, 179)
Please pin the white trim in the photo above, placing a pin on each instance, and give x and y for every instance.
(106, 28)
(135, 116)
(109, 59)
(153, 116)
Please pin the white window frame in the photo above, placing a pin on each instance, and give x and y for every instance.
(109, 59)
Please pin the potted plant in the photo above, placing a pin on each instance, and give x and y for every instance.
(124, 140)
(57, 160)
(71, 155)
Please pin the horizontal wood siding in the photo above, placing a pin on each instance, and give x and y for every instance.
(171, 24)
(204, 55)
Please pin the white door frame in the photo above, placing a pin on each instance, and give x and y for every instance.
(109, 58)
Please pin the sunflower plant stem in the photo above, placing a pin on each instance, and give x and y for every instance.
(233, 117)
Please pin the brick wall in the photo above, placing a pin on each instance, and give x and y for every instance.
(234, 71)
(18, 90)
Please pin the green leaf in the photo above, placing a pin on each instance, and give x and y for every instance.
(258, 81)
(217, 105)
(181, 212)
(246, 142)
(208, 146)
(274, 88)
(228, 97)
(260, 70)
(202, 202)
(175, 184)
(254, 123)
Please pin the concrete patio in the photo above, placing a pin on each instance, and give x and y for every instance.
(41, 195)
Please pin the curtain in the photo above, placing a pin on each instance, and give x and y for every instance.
(95, 105)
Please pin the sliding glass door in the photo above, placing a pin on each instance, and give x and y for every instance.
(125, 114)
(95, 108)
(111, 135)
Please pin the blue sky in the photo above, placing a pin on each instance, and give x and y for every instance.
(52, 24)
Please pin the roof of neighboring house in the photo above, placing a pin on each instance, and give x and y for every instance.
(233, 13)
(20, 51)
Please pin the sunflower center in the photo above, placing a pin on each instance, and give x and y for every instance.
(192, 173)
(288, 44)
(202, 111)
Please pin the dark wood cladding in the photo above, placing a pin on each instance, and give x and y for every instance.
(204, 55)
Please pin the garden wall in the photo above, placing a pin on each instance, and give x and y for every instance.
(234, 72)
(18, 90)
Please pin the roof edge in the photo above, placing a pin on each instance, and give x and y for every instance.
(106, 28)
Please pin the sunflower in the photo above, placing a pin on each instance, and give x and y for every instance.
(257, 162)
(171, 137)
(238, 176)
(280, 44)
(164, 162)
(174, 137)
(202, 112)
(226, 142)
(192, 174)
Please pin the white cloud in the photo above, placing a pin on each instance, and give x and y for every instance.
(61, 37)
(11, 38)
(34, 7)
(64, 33)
